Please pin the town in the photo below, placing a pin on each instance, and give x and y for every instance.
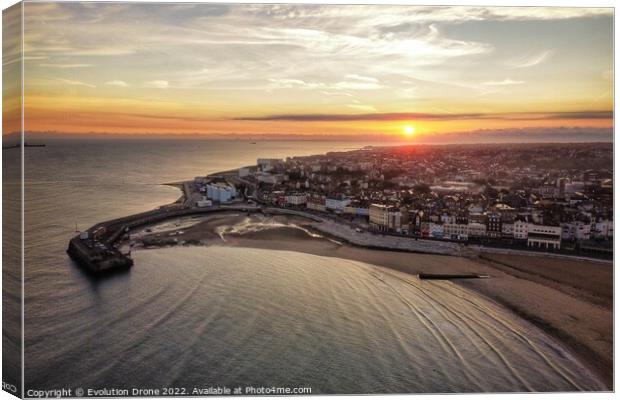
(550, 197)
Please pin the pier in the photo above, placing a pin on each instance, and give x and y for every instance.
(97, 248)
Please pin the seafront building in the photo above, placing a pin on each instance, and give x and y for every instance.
(542, 236)
(220, 192)
(474, 194)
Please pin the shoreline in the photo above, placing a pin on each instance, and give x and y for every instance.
(560, 300)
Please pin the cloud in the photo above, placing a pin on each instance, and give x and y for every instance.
(117, 83)
(76, 83)
(584, 115)
(530, 61)
(362, 78)
(328, 93)
(505, 82)
(239, 52)
(433, 116)
(66, 66)
(158, 84)
(362, 107)
(358, 117)
(347, 85)
(282, 12)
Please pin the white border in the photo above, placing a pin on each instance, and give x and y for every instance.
(503, 3)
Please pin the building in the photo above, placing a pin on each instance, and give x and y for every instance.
(204, 202)
(544, 236)
(520, 229)
(455, 231)
(576, 230)
(387, 218)
(549, 191)
(355, 208)
(476, 229)
(508, 230)
(455, 187)
(435, 230)
(267, 164)
(337, 203)
(379, 216)
(271, 179)
(505, 211)
(316, 202)
(221, 192)
(494, 225)
(296, 199)
(604, 229)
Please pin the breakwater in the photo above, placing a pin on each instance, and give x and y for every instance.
(96, 249)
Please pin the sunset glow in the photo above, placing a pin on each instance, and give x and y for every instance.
(314, 70)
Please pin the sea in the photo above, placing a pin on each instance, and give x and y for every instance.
(188, 318)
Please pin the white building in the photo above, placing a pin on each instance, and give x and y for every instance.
(455, 231)
(221, 192)
(520, 229)
(576, 230)
(476, 229)
(337, 204)
(204, 202)
(544, 236)
(604, 229)
(508, 230)
(386, 218)
(435, 230)
(378, 215)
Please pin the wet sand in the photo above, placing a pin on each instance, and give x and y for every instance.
(571, 301)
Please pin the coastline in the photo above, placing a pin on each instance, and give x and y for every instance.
(573, 307)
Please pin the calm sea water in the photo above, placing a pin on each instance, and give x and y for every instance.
(200, 317)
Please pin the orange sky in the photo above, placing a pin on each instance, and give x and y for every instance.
(342, 70)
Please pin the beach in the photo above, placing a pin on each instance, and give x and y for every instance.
(570, 301)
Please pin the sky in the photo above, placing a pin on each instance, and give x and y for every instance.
(396, 71)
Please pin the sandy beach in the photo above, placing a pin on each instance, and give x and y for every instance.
(572, 301)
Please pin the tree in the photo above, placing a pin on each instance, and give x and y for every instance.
(491, 192)
(422, 188)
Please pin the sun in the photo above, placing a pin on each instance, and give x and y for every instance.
(409, 130)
